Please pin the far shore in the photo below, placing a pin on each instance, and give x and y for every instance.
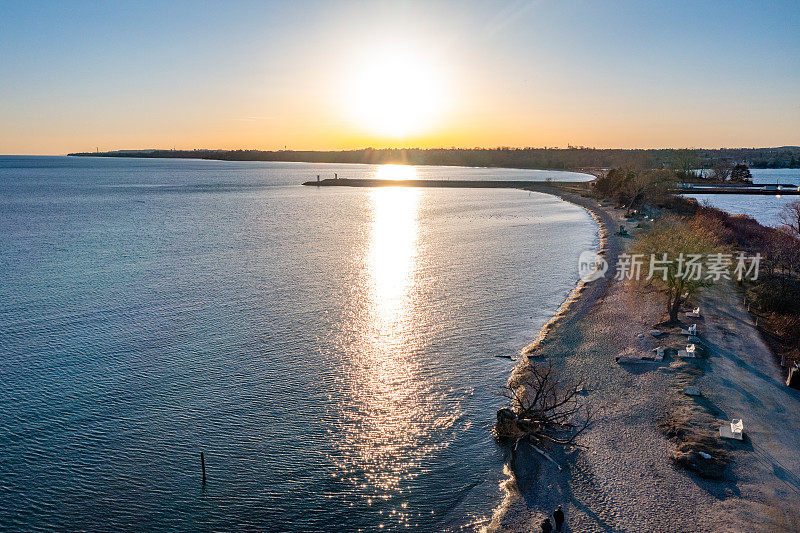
(590, 171)
(550, 158)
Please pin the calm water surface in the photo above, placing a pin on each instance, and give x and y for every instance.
(765, 209)
(331, 351)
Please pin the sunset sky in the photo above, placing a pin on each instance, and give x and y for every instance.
(338, 75)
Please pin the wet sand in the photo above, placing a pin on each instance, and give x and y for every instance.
(622, 478)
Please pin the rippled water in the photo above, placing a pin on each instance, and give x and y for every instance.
(331, 351)
(765, 209)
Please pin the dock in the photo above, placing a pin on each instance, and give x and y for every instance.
(755, 189)
(457, 184)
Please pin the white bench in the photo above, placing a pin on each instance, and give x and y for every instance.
(733, 430)
(688, 353)
(659, 353)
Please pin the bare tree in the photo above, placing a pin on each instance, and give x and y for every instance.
(685, 162)
(721, 170)
(544, 408)
(635, 190)
(790, 217)
(634, 185)
(646, 186)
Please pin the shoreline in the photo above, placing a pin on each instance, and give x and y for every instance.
(622, 477)
(579, 300)
(586, 291)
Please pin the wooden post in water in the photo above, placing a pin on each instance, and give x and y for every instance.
(203, 466)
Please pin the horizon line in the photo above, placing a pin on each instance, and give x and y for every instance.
(417, 148)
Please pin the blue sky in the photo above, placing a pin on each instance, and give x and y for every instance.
(76, 75)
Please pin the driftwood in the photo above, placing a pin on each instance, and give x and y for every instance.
(543, 408)
(546, 456)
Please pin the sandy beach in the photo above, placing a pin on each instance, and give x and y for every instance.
(622, 477)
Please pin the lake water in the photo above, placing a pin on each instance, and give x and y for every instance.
(330, 350)
(765, 209)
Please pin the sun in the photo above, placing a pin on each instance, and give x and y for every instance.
(395, 92)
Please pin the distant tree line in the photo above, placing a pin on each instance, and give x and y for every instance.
(682, 161)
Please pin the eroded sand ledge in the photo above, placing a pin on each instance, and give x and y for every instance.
(623, 480)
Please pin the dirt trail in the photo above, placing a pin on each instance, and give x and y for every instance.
(623, 479)
(743, 381)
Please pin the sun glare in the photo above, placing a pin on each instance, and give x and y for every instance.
(395, 93)
(396, 172)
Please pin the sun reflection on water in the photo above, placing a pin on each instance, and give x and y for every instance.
(392, 255)
(395, 415)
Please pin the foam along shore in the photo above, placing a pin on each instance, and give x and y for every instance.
(624, 477)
